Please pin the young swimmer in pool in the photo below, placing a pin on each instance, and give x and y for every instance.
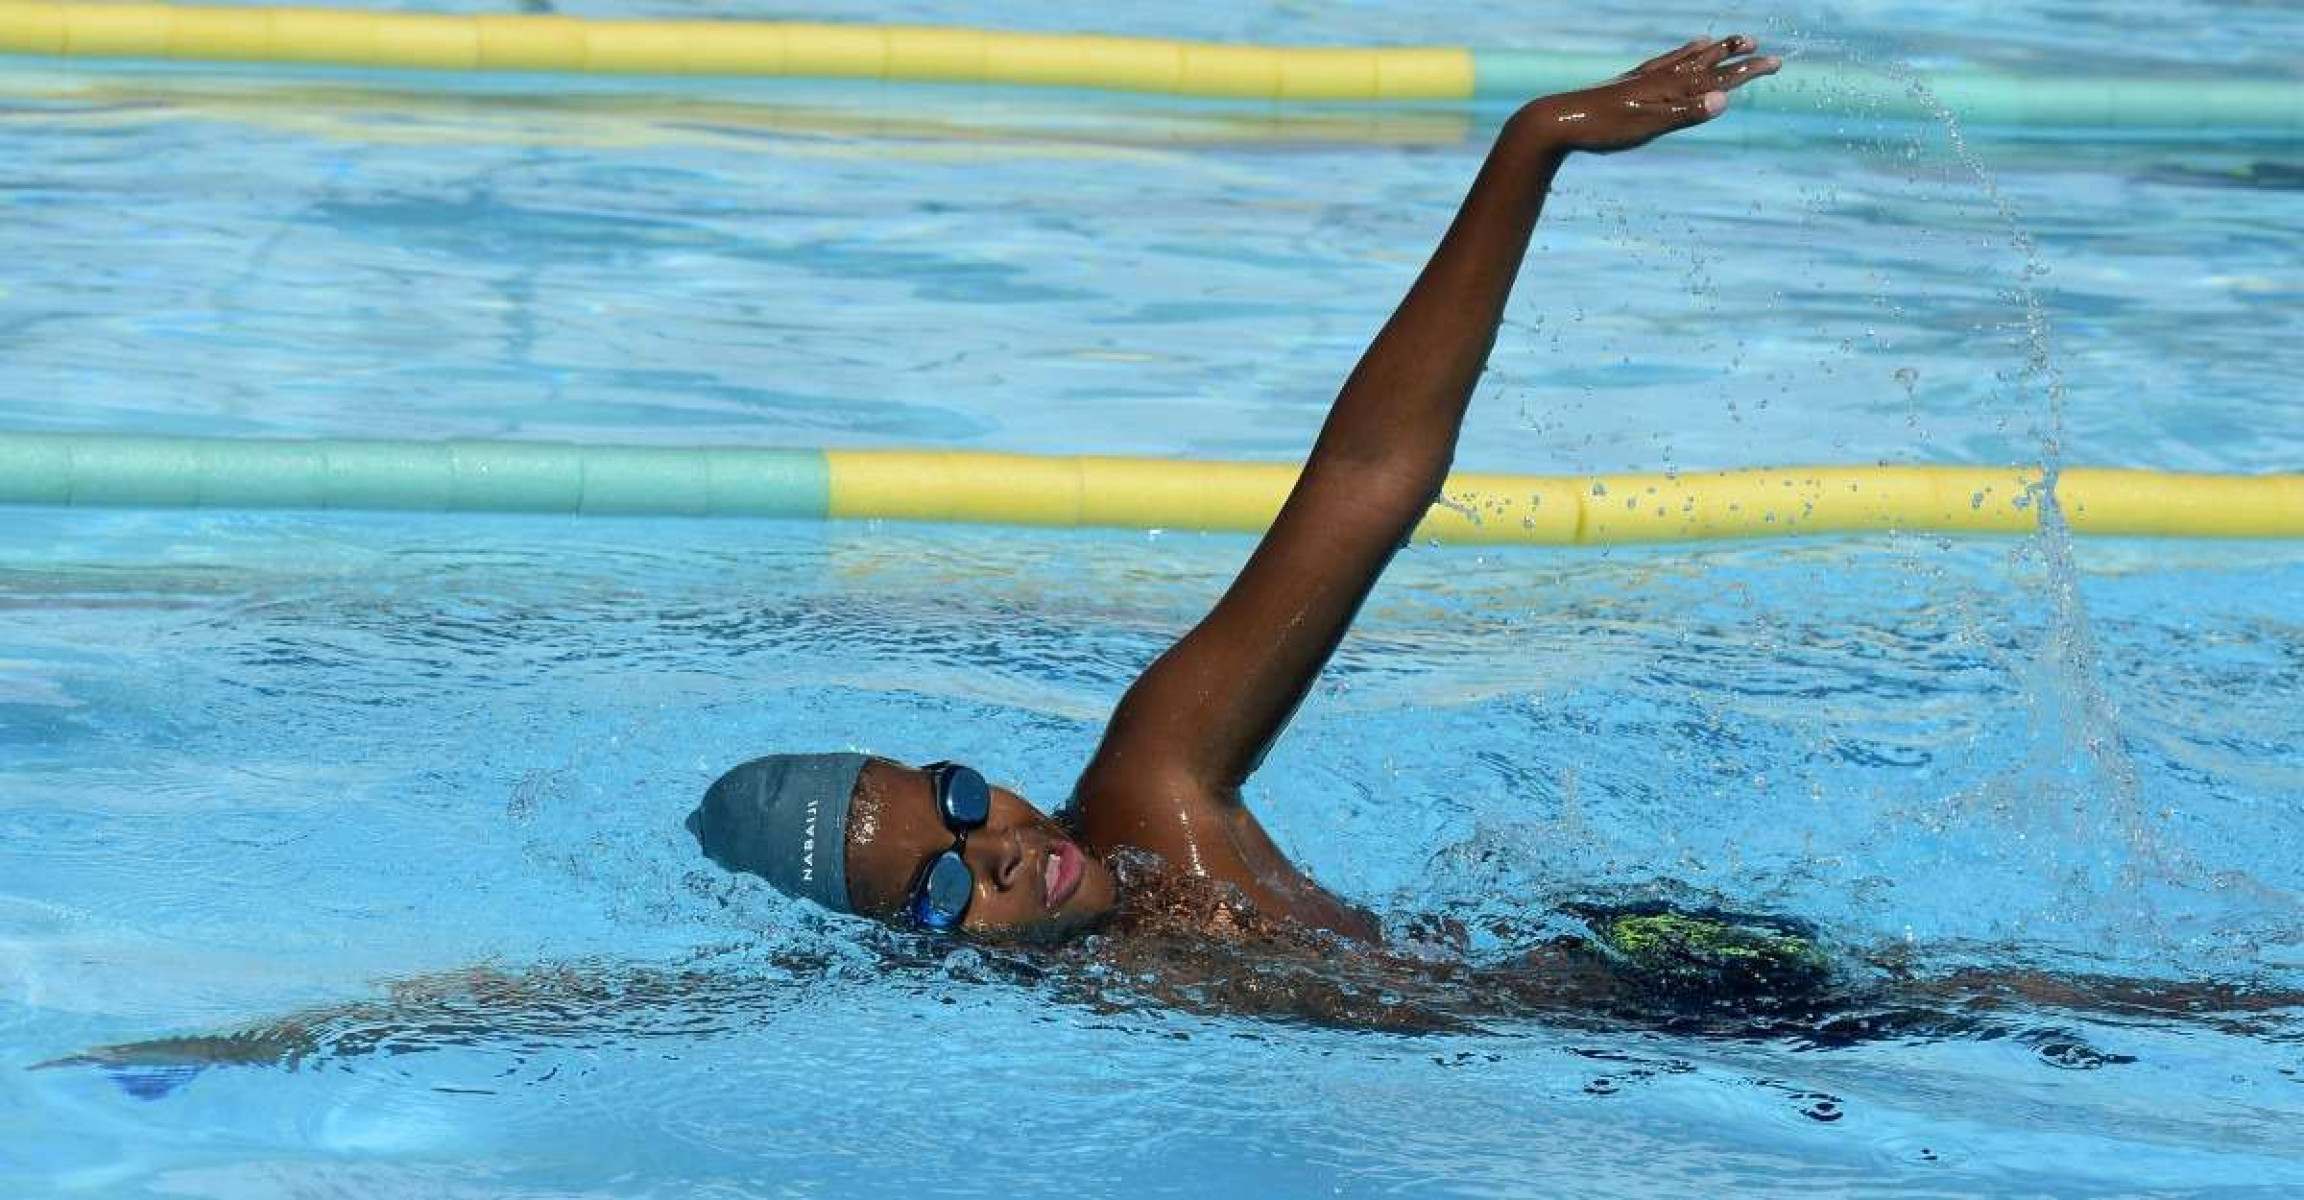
(935, 847)
(1192, 905)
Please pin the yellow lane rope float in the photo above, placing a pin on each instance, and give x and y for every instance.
(1133, 493)
(493, 42)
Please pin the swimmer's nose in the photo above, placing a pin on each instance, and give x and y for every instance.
(1006, 869)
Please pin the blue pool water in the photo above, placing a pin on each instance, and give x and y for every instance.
(260, 764)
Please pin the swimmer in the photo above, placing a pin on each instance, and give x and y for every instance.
(1156, 885)
(1157, 851)
(937, 847)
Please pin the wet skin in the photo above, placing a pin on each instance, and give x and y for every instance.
(1167, 778)
(1032, 880)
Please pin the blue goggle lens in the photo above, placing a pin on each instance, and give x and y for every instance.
(944, 893)
(964, 796)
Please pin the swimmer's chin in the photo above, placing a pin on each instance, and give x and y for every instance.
(1048, 931)
(1092, 906)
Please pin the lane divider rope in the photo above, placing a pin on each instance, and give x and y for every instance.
(521, 42)
(113, 470)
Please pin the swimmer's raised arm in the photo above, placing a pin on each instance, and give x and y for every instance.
(1199, 720)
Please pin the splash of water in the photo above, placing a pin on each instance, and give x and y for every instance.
(2085, 714)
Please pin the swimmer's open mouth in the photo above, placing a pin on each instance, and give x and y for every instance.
(1060, 874)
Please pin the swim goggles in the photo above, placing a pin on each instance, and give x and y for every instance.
(941, 892)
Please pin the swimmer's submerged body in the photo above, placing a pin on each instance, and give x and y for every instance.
(1700, 974)
(1158, 866)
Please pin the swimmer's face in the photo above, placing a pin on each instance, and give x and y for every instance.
(1032, 881)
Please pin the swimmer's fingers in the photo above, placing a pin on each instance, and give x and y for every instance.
(1674, 90)
(1706, 76)
(1691, 61)
(1666, 59)
(1714, 53)
(1730, 76)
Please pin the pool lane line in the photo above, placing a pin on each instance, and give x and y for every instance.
(827, 127)
(110, 470)
(506, 42)
(114, 470)
(936, 54)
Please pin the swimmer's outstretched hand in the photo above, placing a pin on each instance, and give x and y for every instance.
(1687, 86)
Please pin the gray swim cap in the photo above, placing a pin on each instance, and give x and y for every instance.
(785, 819)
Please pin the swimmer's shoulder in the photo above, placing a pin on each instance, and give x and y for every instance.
(1159, 811)
(1206, 833)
